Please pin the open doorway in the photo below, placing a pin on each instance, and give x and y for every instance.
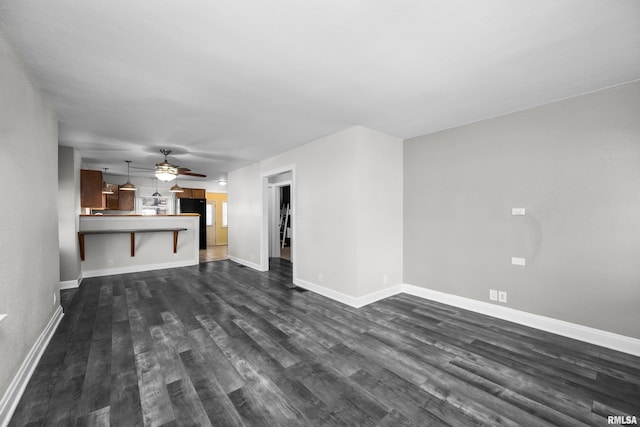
(279, 224)
(280, 238)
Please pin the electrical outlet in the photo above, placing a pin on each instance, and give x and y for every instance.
(385, 279)
(518, 211)
(502, 297)
(110, 262)
(518, 261)
(493, 295)
(320, 277)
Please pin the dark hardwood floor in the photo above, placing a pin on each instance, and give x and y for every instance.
(224, 345)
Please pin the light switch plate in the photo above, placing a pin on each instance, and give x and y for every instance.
(518, 211)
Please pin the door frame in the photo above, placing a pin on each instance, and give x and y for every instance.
(267, 190)
(214, 214)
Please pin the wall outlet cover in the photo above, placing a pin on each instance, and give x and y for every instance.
(493, 295)
(502, 297)
(518, 211)
(518, 261)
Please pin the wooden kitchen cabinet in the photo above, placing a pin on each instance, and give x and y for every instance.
(126, 200)
(120, 200)
(198, 193)
(91, 189)
(192, 193)
(111, 200)
(185, 194)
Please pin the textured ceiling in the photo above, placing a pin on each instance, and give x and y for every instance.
(228, 83)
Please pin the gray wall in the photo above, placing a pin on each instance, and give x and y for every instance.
(68, 212)
(575, 166)
(29, 258)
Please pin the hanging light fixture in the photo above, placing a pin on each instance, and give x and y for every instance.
(165, 171)
(106, 189)
(176, 188)
(128, 186)
(156, 194)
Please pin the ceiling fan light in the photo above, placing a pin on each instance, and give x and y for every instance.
(165, 176)
(222, 182)
(166, 171)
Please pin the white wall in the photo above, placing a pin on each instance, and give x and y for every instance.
(378, 210)
(68, 214)
(29, 258)
(338, 236)
(575, 166)
(244, 215)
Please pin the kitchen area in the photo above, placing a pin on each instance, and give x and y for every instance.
(125, 228)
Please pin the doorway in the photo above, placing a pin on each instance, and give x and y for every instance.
(278, 218)
(280, 236)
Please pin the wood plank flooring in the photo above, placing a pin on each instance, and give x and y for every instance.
(223, 345)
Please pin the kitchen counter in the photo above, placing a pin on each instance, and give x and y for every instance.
(116, 244)
(140, 215)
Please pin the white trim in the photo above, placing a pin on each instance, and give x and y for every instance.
(264, 225)
(247, 263)
(352, 301)
(560, 327)
(69, 284)
(137, 268)
(277, 171)
(15, 390)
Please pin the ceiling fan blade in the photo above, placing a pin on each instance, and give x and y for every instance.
(192, 174)
(181, 170)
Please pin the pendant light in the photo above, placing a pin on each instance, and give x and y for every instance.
(106, 189)
(156, 194)
(128, 186)
(176, 188)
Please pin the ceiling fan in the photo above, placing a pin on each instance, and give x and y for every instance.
(166, 171)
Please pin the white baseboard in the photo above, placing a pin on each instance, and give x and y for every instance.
(137, 268)
(247, 263)
(349, 300)
(14, 393)
(560, 327)
(69, 284)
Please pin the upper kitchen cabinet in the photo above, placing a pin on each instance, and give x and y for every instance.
(112, 200)
(192, 193)
(126, 200)
(91, 189)
(120, 200)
